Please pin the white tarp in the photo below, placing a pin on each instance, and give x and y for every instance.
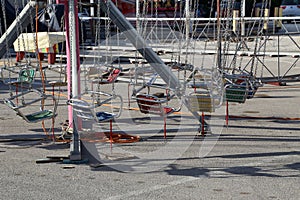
(27, 41)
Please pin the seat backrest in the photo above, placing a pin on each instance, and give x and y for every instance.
(202, 102)
(26, 76)
(82, 108)
(113, 75)
(236, 93)
(149, 104)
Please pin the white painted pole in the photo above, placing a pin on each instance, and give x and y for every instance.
(92, 10)
(188, 25)
(75, 151)
(73, 48)
(243, 14)
(235, 21)
(137, 14)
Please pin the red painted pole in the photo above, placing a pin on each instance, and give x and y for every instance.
(227, 114)
(165, 127)
(202, 125)
(110, 135)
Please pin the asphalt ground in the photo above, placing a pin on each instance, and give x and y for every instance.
(255, 157)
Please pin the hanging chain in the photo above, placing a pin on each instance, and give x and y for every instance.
(108, 34)
(8, 55)
(34, 37)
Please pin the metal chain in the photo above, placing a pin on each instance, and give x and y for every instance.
(71, 33)
(34, 37)
(8, 55)
(107, 33)
(228, 14)
(18, 26)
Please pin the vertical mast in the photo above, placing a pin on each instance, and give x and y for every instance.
(74, 47)
(243, 17)
(75, 152)
(137, 14)
(219, 37)
(187, 21)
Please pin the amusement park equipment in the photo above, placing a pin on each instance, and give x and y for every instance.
(95, 114)
(83, 110)
(86, 112)
(111, 77)
(36, 116)
(236, 93)
(201, 100)
(30, 97)
(26, 76)
(153, 59)
(151, 104)
(206, 95)
(34, 107)
(98, 77)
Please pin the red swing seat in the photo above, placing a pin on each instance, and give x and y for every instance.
(150, 104)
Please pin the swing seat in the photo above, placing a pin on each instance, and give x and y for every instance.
(150, 104)
(236, 93)
(202, 102)
(39, 116)
(42, 114)
(83, 110)
(87, 112)
(104, 116)
(252, 90)
(112, 77)
(25, 76)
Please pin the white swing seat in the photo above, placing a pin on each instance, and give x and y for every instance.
(85, 111)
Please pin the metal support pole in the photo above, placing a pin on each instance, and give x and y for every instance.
(188, 26)
(280, 15)
(92, 9)
(75, 151)
(219, 50)
(243, 14)
(235, 21)
(266, 16)
(137, 14)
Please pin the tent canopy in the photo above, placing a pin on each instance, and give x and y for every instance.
(27, 41)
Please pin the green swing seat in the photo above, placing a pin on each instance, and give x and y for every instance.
(25, 76)
(42, 114)
(236, 93)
